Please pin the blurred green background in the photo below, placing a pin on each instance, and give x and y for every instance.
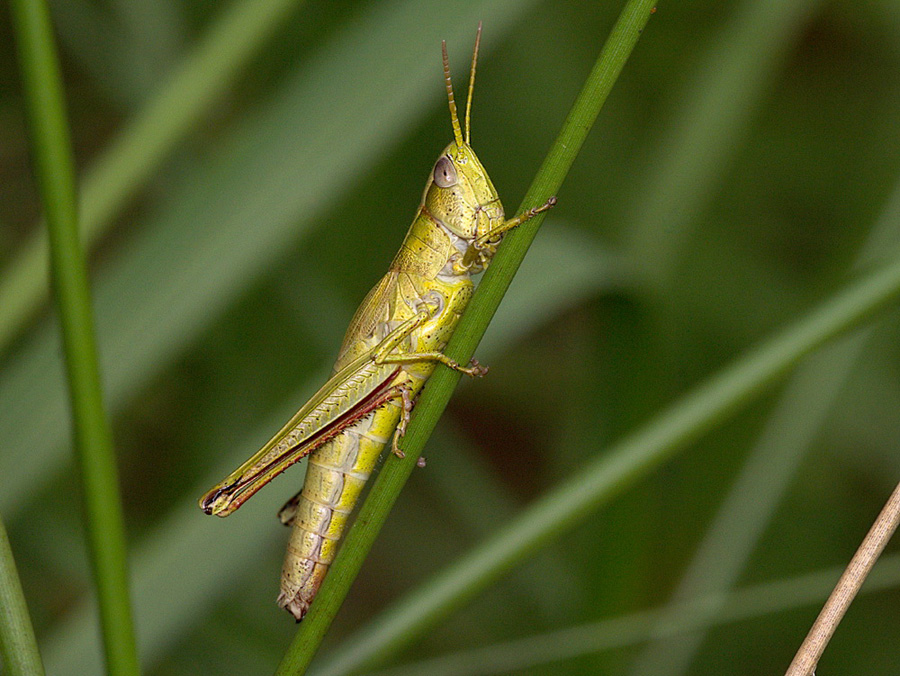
(745, 168)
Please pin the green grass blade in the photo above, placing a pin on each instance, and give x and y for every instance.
(473, 325)
(91, 432)
(18, 646)
(143, 145)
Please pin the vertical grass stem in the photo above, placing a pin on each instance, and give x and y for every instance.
(18, 647)
(53, 167)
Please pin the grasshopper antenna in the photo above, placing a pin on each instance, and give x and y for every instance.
(472, 81)
(454, 119)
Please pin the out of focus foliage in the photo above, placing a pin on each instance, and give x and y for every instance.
(741, 172)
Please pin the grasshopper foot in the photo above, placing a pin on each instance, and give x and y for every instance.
(475, 370)
(395, 442)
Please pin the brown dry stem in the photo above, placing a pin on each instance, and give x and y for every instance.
(807, 657)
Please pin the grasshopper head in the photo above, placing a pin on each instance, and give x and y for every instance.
(460, 193)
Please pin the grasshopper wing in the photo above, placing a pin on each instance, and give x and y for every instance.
(349, 395)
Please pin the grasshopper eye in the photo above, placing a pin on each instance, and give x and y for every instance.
(445, 173)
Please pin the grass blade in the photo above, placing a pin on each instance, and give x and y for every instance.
(18, 647)
(91, 432)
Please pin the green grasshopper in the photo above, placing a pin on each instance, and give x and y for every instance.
(393, 344)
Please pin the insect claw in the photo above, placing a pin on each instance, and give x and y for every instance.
(476, 370)
(395, 442)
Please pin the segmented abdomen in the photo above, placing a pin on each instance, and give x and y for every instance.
(335, 477)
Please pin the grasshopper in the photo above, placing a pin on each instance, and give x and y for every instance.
(394, 343)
